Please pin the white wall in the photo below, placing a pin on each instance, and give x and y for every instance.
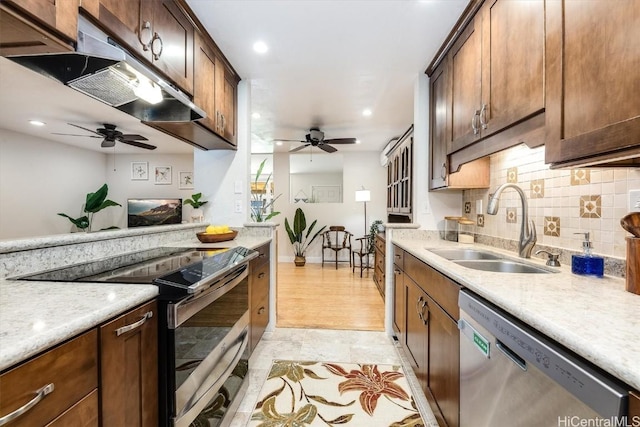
(430, 207)
(38, 179)
(122, 187)
(360, 169)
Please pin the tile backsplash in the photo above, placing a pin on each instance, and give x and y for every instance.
(561, 202)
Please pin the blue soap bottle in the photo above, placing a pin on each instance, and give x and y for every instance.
(587, 264)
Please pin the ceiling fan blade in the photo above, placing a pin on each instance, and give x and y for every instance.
(327, 148)
(88, 130)
(139, 144)
(73, 134)
(133, 137)
(299, 148)
(289, 140)
(340, 141)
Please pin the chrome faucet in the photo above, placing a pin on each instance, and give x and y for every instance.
(528, 228)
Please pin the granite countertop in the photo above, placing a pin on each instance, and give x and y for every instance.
(35, 316)
(594, 317)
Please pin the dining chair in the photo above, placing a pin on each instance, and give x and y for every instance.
(336, 239)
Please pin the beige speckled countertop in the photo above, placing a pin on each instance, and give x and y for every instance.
(35, 316)
(594, 317)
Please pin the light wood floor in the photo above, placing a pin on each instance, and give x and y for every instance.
(326, 298)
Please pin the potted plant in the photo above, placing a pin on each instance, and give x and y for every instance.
(373, 230)
(299, 239)
(95, 202)
(196, 214)
(259, 209)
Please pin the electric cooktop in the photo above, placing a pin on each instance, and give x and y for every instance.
(184, 266)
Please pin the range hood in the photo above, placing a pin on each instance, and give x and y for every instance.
(105, 71)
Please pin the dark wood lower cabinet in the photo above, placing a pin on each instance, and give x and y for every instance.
(418, 330)
(129, 369)
(259, 284)
(444, 364)
(429, 311)
(82, 414)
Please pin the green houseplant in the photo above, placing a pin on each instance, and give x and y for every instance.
(299, 239)
(259, 209)
(371, 237)
(95, 202)
(196, 214)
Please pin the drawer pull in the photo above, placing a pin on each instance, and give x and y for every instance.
(260, 276)
(125, 329)
(40, 394)
(261, 310)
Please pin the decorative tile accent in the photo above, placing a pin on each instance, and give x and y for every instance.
(512, 175)
(580, 176)
(590, 207)
(512, 215)
(537, 189)
(467, 207)
(552, 226)
(480, 220)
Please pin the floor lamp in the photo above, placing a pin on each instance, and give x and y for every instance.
(364, 196)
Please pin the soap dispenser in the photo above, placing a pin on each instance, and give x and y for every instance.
(587, 263)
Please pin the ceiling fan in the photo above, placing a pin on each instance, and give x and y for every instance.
(110, 135)
(315, 138)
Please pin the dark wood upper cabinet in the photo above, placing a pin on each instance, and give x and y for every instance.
(157, 31)
(487, 89)
(37, 26)
(466, 80)
(593, 107)
(512, 63)
(215, 89)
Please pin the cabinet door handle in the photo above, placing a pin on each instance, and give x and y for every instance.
(483, 116)
(261, 310)
(397, 272)
(420, 306)
(443, 170)
(127, 328)
(156, 56)
(145, 26)
(474, 126)
(260, 276)
(40, 394)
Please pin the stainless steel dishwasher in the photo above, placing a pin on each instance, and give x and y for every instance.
(510, 375)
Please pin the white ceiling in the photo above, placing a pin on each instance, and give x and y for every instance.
(327, 61)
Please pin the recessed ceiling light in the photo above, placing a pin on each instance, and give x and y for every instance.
(366, 112)
(37, 122)
(256, 115)
(260, 47)
(357, 141)
(278, 142)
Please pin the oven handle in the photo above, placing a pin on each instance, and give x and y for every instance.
(181, 311)
(195, 407)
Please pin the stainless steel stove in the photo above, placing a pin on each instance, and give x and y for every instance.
(203, 324)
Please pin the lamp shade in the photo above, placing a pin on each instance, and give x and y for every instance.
(363, 195)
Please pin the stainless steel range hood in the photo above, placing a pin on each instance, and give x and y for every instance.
(105, 71)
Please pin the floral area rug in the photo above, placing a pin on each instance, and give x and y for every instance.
(300, 394)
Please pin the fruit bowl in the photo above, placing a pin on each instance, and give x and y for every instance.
(217, 237)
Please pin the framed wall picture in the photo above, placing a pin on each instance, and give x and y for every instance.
(163, 175)
(139, 171)
(185, 181)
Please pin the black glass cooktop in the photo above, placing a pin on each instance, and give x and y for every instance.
(145, 266)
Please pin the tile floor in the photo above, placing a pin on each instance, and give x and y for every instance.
(327, 346)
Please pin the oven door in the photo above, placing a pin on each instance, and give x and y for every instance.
(207, 354)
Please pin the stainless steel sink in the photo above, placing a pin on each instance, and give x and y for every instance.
(502, 266)
(463, 254)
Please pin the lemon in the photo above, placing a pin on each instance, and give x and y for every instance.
(210, 229)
